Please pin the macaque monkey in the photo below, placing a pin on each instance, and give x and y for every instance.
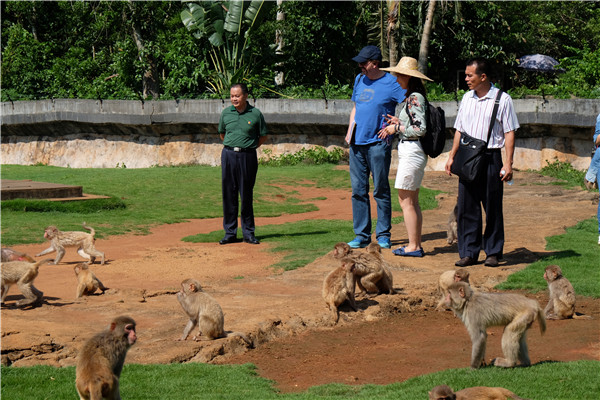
(368, 269)
(9, 254)
(386, 284)
(561, 304)
(448, 278)
(22, 273)
(101, 359)
(87, 281)
(336, 290)
(478, 311)
(341, 250)
(444, 392)
(82, 240)
(452, 232)
(204, 311)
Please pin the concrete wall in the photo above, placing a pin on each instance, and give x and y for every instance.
(110, 133)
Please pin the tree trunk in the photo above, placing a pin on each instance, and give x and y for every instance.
(424, 49)
(150, 78)
(392, 25)
(279, 78)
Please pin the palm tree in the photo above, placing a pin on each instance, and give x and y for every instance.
(424, 48)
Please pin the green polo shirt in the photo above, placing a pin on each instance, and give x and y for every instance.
(242, 129)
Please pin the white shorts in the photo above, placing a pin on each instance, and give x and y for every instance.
(411, 165)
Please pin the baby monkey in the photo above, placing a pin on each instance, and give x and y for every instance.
(561, 304)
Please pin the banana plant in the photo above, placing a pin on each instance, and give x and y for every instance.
(228, 26)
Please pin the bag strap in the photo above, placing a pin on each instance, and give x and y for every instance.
(494, 113)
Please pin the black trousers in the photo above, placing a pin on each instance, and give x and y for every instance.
(238, 175)
(487, 191)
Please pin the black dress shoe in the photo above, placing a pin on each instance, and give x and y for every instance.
(227, 240)
(491, 261)
(251, 240)
(465, 262)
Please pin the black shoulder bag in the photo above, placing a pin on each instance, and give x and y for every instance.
(469, 156)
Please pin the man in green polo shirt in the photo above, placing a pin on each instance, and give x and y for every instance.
(242, 129)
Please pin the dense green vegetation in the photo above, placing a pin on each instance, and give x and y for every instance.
(549, 381)
(137, 50)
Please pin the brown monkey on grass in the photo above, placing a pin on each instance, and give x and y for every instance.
(82, 240)
(444, 392)
(87, 283)
(478, 311)
(561, 304)
(23, 274)
(101, 359)
(335, 288)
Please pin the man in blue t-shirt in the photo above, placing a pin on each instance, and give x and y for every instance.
(375, 95)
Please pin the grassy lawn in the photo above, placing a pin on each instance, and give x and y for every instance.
(576, 380)
(142, 198)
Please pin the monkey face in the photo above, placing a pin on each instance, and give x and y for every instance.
(130, 333)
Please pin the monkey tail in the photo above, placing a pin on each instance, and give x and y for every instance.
(89, 228)
(581, 316)
(542, 320)
(42, 262)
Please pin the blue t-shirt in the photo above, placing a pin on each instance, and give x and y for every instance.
(374, 100)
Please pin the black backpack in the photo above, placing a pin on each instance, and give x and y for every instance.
(435, 137)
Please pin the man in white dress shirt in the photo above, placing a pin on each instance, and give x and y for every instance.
(473, 118)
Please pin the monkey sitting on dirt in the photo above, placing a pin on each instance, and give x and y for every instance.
(370, 272)
(23, 274)
(204, 312)
(87, 283)
(444, 392)
(452, 232)
(82, 240)
(561, 303)
(335, 288)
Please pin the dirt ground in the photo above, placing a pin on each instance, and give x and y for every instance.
(390, 339)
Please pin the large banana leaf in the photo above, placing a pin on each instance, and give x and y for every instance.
(233, 20)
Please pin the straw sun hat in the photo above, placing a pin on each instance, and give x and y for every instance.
(407, 66)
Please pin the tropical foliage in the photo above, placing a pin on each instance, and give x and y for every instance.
(174, 49)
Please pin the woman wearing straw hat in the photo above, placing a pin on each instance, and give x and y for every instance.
(410, 125)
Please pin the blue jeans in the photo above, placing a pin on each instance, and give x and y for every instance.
(366, 159)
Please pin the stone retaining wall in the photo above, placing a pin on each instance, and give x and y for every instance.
(106, 134)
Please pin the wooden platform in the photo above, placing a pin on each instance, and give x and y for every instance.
(28, 189)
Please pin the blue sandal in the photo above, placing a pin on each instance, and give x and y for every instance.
(402, 252)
